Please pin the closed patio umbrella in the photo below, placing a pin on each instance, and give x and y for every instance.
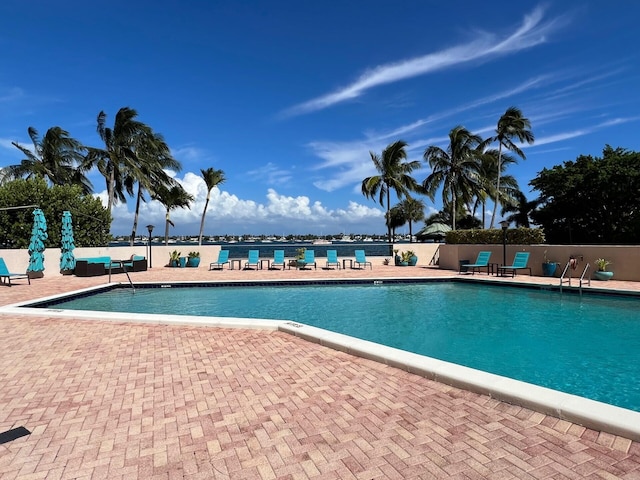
(36, 246)
(67, 260)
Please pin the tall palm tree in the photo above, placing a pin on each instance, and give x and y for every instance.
(488, 169)
(119, 152)
(149, 171)
(394, 174)
(56, 157)
(413, 211)
(172, 198)
(212, 178)
(455, 169)
(511, 125)
(520, 210)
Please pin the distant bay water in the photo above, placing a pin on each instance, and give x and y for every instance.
(241, 249)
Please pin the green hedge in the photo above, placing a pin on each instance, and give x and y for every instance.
(515, 236)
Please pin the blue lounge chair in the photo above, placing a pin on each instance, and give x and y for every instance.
(278, 259)
(519, 263)
(6, 276)
(308, 260)
(223, 257)
(361, 260)
(481, 262)
(253, 260)
(332, 259)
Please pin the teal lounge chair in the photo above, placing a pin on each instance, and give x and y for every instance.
(361, 260)
(481, 262)
(519, 263)
(332, 259)
(278, 259)
(308, 260)
(253, 260)
(223, 257)
(6, 276)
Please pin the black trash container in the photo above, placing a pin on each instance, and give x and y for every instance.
(464, 269)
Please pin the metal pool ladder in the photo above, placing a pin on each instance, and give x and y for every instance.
(568, 280)
(124, 268)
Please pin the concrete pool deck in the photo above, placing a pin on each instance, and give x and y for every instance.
(128, 400)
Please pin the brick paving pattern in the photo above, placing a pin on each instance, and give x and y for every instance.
(123, 400)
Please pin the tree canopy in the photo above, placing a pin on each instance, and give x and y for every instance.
(91, 221)
(591, 200)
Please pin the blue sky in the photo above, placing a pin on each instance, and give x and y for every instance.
(289, 97)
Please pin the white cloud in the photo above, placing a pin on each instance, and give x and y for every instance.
(227, 213)
(485, 46)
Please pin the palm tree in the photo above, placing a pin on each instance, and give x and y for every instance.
(56, 157)
(394, 174)
(172, 198)
(520, 210)
(488, 169)
(153, 158)
(455, 169)
(511, 125)
(212, 178)
(119, 154)
(413, 211)
(395, 219)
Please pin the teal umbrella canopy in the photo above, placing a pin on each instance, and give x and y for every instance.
(67, 260)
(36, 246)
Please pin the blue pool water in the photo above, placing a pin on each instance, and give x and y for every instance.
(587, 346)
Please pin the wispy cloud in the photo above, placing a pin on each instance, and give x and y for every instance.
(11, 94)
(188, 153)
(485, 46)
(271, 174)
(580, 132)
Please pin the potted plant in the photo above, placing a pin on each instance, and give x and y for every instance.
(404, 259)
(174, 258)
(601, 273)
(548, 267)
(193, 259)
(397, 258)
(299, 261)
(413, 259)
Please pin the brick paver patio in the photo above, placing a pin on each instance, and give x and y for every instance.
(124, 400)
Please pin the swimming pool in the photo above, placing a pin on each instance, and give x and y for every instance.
(587, 345)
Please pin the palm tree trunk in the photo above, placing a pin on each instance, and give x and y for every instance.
(496, 204)
(204, 213)
(453, 211)
(135, 216)
(110, 189)
(410, 232)
(484, 212)
(389, 214)
(166, 228)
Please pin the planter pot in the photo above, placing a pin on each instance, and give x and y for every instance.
(413, 260)
(183, 262)
(173, 263)
(404, 264)
(602, 275)
(66, 271)
(193, 261)
(39, 274)
(397, 260)
(549, 269)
